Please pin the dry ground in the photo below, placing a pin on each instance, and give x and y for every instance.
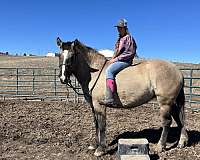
(28, 62)
(61, 130)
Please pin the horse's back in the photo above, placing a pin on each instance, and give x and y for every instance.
(149, 78)
(152, 70)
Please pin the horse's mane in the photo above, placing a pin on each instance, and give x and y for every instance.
(91, 55)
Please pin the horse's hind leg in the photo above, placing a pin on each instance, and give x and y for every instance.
(166, 122)
(178, 116)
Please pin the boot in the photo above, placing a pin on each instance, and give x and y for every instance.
(111, 98)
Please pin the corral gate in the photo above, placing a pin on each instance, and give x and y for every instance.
(36, 84)
(192, 86)
(43, 83)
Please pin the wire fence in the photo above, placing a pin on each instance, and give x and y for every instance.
(44, 84)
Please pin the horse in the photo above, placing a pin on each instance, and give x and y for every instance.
(137, 85)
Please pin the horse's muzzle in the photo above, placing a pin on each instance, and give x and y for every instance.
(64, 80)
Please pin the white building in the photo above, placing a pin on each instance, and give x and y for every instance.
(106, 52)
(50, 54)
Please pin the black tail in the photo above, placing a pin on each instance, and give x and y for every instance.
(180, 102)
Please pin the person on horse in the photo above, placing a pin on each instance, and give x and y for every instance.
(125, 50)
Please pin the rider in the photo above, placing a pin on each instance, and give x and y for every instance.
(125, 50)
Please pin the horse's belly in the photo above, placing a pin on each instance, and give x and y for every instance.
(135, 96)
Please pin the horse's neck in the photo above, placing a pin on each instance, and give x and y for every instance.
(95, 60)
(82, 73)
(89, 62)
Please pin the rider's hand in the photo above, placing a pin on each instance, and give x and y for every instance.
(112, 61)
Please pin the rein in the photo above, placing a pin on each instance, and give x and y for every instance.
(69, 83)
(90, 91)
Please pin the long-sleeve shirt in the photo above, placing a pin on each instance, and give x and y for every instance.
(126, 48)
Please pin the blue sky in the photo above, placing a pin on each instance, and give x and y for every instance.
(164, 29)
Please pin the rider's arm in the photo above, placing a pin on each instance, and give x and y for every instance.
(128, 48)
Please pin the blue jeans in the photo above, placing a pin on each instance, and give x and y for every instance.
(114, 68)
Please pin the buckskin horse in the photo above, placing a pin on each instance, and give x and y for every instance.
(136, 85)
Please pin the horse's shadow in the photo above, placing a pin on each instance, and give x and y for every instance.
(153, 136)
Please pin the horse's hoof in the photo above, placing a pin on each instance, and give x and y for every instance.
(183, 142)
(99, 151)
(92, 147)
(160, 148)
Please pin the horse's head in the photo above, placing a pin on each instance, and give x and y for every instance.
(67, 56)
(75, 57)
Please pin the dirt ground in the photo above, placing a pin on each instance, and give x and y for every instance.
(63, 130)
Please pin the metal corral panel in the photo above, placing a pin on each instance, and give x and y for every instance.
(44, 82)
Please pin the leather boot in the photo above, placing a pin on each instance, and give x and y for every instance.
(111, 98)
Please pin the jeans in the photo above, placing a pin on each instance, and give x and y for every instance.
(114, 68)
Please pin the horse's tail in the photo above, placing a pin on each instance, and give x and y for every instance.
(180, 102)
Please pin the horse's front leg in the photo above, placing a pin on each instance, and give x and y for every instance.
(100, 112)
(93, 145)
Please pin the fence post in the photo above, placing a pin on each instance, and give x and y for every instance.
(17, 76)
(75, 95)
(55, 85)
(191, 75)
(33, 84)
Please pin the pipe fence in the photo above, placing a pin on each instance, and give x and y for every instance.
(35, 84)
(192, 87)
(44, 84)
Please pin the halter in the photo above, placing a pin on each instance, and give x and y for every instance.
(69, 65)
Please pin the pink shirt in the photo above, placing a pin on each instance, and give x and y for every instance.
(127, 47)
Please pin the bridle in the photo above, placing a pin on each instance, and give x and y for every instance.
(69, 82)
(68, 65)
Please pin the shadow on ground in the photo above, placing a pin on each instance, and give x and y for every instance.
(153, 135)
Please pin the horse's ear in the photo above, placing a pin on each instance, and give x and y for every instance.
(76, 41)
(59, 42)
(74, 44)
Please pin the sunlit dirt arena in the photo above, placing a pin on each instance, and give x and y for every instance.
(63, 130)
